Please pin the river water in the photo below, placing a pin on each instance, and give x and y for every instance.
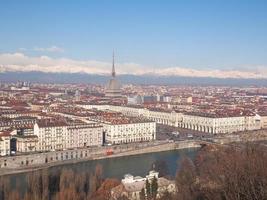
(137, 165)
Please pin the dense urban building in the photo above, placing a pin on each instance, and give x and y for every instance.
(202, 122)
(5, 137)
(120, 129)
(59, 135)
(92, 115)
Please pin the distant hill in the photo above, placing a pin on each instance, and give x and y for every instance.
(41, 77)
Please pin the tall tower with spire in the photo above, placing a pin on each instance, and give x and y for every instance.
(113, 73)
(113, 89)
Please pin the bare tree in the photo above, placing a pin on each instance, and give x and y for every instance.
(104, 191)
(4, 187)
(14, 195)
(185, 180)
(227, 173)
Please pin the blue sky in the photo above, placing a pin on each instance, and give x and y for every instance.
(197, 34)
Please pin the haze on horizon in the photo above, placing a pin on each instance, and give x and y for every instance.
(221, 39)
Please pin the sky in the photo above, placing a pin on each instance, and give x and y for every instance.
(215, 38)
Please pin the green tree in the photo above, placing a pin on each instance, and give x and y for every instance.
(142, 194)
(166, 195)
(154, 188)
(148, 190)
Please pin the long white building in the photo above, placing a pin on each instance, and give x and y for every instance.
(60, 135)
(211, 124)
(120, 129)
(84, 135)
(132, 132)
(197, 121)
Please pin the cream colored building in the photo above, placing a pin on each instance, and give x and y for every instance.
(84, 135)
(167, 118)
(198, 121)
(59, 135)
(217, 124)
(117, 127)
(131, 186)
(264, 121)
(212, 124)
(26, 143)
(5, 137)
(130, 132)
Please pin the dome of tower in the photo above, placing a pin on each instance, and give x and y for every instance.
(113, 84)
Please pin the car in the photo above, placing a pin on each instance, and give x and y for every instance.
(175, 133)
(190, 136)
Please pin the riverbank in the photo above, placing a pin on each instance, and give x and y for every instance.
(83, 155)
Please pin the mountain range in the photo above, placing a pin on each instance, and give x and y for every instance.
(42, 77)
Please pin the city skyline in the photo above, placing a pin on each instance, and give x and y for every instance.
(177, 38)
(133, 100)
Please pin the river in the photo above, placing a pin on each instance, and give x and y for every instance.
(137, 165)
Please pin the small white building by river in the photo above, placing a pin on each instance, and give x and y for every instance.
(131, 186)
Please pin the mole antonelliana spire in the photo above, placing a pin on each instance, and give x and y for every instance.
(113, 87)
(113, 73)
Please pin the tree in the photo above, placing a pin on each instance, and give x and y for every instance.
(98, 175)
(34, 185)
(148, 190)
(123, 197)
(95, 180)
(67, 190)
(44, 184)
(14, 195)
(185, 180)
(92, 184)
(4, 187)
(54, 182)
(86, 185)
(236, 174)
(154, 188)
(104, 191)
(142, 194)
(79, 184)
(224, 173)
(167, 196)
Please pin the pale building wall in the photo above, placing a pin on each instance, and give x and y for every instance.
(70, 136)
(27, 144)
(264, 122)
(5, 145)
(127, 133)
(198, 123)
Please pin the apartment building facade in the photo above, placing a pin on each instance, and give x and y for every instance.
(199, 122)
(60, 135)
(131, 132)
